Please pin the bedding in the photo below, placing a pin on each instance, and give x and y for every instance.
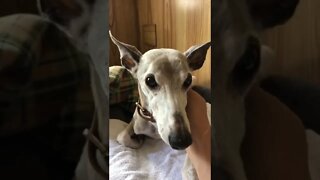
(154, 160)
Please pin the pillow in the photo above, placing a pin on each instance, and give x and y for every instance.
(123, 89)
(40, 71)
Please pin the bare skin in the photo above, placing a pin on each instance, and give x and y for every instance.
(274, 147)
(199, 151)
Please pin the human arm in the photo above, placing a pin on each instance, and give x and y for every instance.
(199, 151)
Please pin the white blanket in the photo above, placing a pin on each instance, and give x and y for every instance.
(154, 160)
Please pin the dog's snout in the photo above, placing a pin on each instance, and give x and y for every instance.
(178, 121)
(180, 141)
(180, 137)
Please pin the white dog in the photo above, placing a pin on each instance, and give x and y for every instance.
(164, 77)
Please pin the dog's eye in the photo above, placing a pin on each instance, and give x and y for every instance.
(248, 64)
(188, 81)
(151, 82)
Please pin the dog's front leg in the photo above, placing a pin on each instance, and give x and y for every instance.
(142, 126)
(129, 138)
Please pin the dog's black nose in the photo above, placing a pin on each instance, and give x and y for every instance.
(180, 141)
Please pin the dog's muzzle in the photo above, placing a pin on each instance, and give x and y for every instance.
(179, 137)
(180, 141)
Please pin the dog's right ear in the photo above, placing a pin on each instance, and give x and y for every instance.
(129, 55)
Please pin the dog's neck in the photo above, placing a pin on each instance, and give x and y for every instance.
(142, 107)
(97, 44)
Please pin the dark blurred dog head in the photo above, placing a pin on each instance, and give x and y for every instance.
(236, 60)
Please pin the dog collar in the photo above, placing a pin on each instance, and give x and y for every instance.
(144, 113)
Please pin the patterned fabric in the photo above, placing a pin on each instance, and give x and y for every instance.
(45, 96)
(123, 88)
(40, 71)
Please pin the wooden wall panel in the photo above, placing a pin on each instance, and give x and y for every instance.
(123, 23)
(297, 44)
(179, 25)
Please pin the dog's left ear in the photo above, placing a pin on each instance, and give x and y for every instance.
(129, 55)
(196, 55)
(60, 11)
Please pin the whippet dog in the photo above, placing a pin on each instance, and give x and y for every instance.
(237, 58)
(164, 77)
(86, 22)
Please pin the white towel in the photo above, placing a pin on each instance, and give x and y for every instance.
(155, 160)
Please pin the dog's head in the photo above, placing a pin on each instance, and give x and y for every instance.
(164, 77)
(86, 22)
(73, 16)
(238, 53)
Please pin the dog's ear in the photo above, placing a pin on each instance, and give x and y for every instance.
(59, 11)
(196, 55)
(129, 55)
(269, 13)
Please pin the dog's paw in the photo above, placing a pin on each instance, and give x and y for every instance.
(133, 141)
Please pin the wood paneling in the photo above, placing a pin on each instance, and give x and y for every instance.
(297, 44)
(179, 25)
(123, 23)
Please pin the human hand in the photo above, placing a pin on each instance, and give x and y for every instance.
(199, 151)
